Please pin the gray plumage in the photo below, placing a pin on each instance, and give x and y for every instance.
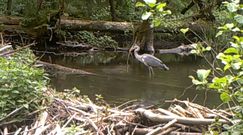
(149, 60)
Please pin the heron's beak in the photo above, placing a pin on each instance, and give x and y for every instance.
(165, 67)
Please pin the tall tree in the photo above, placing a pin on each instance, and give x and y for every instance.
(9, 7)
(112, 10)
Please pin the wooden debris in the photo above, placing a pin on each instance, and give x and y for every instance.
(90, 118)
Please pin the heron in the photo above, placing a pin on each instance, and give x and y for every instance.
(149, 60)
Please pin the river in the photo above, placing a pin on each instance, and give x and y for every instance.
(118, 83)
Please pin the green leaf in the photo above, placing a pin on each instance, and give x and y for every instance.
(219, 33)
(232, 7)
(237, 65)
(26, 106)
(184, 30)
(239, 18)
(236, 29)
(156, 22)
(150, 1)
(229, 25)
(146, 15)
(193, 52)
(166, 12)
(208, 48)
(140, 4)
(225, 97)
(231, 50)
(151, 5)
(226, 67)
(202, 74)
(161, 6)
(195, 81)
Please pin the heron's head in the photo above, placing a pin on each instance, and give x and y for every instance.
(134, 48)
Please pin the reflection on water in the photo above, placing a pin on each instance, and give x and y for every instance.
(116, 84)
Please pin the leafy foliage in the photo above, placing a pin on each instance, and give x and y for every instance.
(227, 79)
(21, 84)
(101, 42)
(153, 11)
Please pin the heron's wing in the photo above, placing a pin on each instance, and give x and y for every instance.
(152, 61)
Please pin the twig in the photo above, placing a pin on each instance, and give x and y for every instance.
(1, 34)
(26, 131)
(168, 131)
(5, 47)
(159, 129)
(5, 131)
(134, 130)
(94, 126)
(13, 112)
(128, 102)
(18, 131)
(68, 121)
(166, 112)
(19, 49)
(41, 124)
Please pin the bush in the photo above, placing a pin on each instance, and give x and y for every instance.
(21, 84)
(227, 78)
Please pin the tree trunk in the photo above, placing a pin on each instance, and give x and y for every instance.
(112, 10)
(9, 7)
(144, 37)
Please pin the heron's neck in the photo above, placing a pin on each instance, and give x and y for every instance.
(136, 54)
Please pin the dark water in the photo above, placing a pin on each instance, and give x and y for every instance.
(117, 84)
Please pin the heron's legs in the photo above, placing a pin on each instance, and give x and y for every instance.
(151, 72)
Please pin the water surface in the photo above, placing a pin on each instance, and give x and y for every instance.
(117, 84)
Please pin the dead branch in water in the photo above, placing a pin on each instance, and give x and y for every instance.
(64, 69)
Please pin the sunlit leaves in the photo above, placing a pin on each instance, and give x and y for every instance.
(140, 4)
(156, 22)
(231, 50)
(219, 83)
(232, 6)
(199, 49)
(150, 1)
(219, 33)
(166, 12)
(225, 97)
(227, 76)
(184, 30)
(20, 84)
(237, 65)
(161, 6)
(202, 75)
(146, 15)
(229, 61)
(227, 26)
(153, 11)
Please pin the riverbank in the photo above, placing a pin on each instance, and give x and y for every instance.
(66, 113)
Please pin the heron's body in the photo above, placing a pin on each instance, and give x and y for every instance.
(149, 60)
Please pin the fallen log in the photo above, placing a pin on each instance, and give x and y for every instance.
(10, 20)
(112, 26)
(158, 118)
(181, 50)
(76, 24)
(65, 69)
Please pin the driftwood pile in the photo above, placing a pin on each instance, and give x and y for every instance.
(85, 117)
